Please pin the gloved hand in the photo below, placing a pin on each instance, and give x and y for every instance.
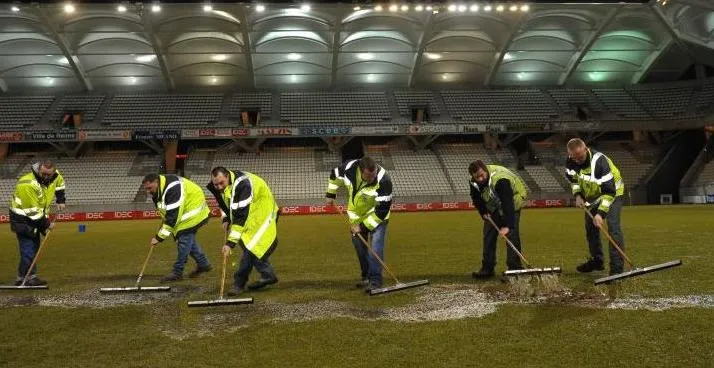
(579, 201)
(356, 229)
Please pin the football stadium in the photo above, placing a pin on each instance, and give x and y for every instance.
(357, 184)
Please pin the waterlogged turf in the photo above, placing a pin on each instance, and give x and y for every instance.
(316, 317)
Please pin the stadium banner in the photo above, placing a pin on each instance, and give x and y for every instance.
(11, 136)
(273, 131)
(288, 210)
(104, 135)
(432, 129)
(156, 134)
(377, 130)
(319, 131)
(51, 136)
(481, 128)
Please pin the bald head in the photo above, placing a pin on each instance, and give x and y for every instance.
(577, 150)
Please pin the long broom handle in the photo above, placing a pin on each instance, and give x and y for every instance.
(143, 268)
(508, 241)
(374, 254)
(223, 272)
(612, 241)
(37, 256)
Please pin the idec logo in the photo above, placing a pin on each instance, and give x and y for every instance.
(450, 205)
(423, 206)
(215, 211)
(318, 209)
(553, 202)
(240, 132)
(4, 218)
(64, 217)
(206, 132)
(123, 215)
(149, 214)
(94, 216)
(399, 207)
(289, 210)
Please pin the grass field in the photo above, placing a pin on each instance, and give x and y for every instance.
(314, 317)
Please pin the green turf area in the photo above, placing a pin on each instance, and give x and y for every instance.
(315, 317)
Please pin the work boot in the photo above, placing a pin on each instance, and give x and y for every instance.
(262, 283)
(590, 266)
(32, 282)
(483, 273)
(199, 270)
(236, 290)
(171, 278)
(362, 284)
(372, 286)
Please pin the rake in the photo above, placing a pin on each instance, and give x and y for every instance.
(530, 270)
(138, 288)
(634, 271)
(221, 301)
(22, 286)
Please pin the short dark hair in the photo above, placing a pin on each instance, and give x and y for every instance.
(575, 143)
(150, 178)
(367, 163)
(48, 164)
(219, 170)
(478, 164)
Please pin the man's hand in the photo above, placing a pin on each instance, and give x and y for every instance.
(226, 225)
(597, 221)
(504, 231)
(226, 250)
(355, 229)
(486, 217)
(52, 226)
(154, 241)
(579, 202)
(60, 206)
(330, 201)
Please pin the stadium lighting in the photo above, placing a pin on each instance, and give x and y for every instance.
(294, 56)
(393, 8)
(260, 8)
(521, 75)
(15, 9)
(405, 8)
(132, 80)
(293, 78)
(357, 8)
(419, 8)
(207, 8)
(429, 8)
(435, 11)
(432, 56)
(49, 80)
(452, 8)
(145, 58)
(507, 56)
(214, 80)
(305, 8)
(378, 8)
(63, 60)
(499, 8)
(445, 76)
(525, 8)
(69, 8)
(121, 9)
(462, 8)
(513, 8)
(365, 56)
(155, 8)
(370, 77)
(487, 8)
(219, 57)
(474, 8)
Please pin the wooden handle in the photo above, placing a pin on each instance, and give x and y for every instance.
(508, 241)
(376, 256)
(143, 268)
(612, 241)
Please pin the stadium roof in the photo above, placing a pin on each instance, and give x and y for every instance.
(98, 46)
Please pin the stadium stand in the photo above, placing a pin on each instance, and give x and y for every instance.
(665, 103)
(335, 107)
(180, 110)
(263, 101)
(503, 106)
(706, 175)
(406, 99)
(88, 105)
(22, 111)
(633, 168)
(620, 103)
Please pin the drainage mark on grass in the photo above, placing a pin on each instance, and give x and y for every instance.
(660, 304)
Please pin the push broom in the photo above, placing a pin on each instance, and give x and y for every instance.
(221, 300)
(137, 288)
(530, 270)
(398, 284)
(27, 275)
(634, 271)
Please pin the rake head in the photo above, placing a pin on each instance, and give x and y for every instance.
(219, 302)
(397, 287)
(532, 271)
(13, 287)
(638, 272)
(136, 289)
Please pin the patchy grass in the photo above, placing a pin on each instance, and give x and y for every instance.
(315, 317)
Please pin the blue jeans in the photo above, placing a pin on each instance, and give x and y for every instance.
(613, 226)
(187, 245)
(28, 249)
(370, 267)
(248, 261)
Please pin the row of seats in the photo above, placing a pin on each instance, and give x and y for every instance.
(163, 110)
(17, 112)
(334, 107)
